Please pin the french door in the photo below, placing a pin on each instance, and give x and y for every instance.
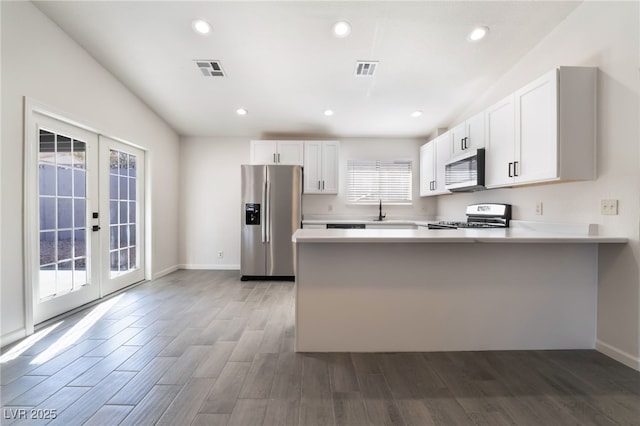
(121, 207)
(89, 220)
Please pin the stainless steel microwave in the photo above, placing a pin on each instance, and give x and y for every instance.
(465, 172)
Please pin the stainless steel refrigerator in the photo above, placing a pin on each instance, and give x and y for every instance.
(271, 213)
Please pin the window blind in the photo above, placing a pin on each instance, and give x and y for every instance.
(370, 181)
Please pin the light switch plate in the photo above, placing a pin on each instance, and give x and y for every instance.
(609, 207)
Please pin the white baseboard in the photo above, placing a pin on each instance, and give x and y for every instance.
(9, 338)
(166, 271)
(214, 267)
(621, 356)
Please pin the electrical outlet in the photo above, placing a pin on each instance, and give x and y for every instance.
(220, 254)
(539, 208)
(609, 207)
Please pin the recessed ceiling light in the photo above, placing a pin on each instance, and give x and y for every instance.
(201, 27)
(341, 29)
(328, 112)
(241, 111)
(416, 113)
(478, 33)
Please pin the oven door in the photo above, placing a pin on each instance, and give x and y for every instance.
(465, 173)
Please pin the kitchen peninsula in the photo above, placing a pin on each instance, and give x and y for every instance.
(386, 290)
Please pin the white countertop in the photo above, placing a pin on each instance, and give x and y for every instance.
(389, 222)
(425, 235)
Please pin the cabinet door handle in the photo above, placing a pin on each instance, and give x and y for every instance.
(510, 173)
(318, 185)
(323, 185)
(274, 157)
(466, 145)
(278, 157)
(462, 144)
(515, 168)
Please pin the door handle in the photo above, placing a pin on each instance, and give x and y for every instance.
(323, 185)
(278, 157)
(263, 214)
(274, 157)
(466, 145)
(95, 228)
(268, 213)
(510, 173)
(318, 185)
(515, 168)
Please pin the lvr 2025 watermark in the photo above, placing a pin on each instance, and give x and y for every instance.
(28, 414)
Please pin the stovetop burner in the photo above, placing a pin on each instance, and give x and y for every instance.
(480, 216)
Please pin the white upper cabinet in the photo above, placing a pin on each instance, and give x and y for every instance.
(427, 168)
(433, 156)
(277, 152)
(468, 135)
(536, 149)
(544, 131)
(321, 166)
(500, 146)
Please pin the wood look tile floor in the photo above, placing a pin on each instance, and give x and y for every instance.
(204, 348)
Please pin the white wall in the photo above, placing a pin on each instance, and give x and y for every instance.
(39, 61)
(371, 149)
(210, 210)
(605, 35)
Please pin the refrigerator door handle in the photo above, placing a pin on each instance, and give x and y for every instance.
(267, 222)
(263, 214)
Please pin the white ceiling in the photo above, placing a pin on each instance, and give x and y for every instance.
(284, 66)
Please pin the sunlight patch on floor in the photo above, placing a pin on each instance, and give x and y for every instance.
(21, 347)
(72, 336)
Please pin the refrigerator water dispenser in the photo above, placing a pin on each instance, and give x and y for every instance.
(252, 214)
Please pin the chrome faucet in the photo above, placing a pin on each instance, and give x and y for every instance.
(380, 215)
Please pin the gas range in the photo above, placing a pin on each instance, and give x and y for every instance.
(480, 216)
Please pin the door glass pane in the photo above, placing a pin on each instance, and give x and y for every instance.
(63, 213)
(122, 206)
(79, 182)
(79, 244)
(47, 248)
(79, 154)
(79, 209)
(47, 179)
(64, 181)
(47, 213)
(65, 245)
(113, 237)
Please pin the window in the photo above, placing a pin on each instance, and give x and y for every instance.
(370, 181)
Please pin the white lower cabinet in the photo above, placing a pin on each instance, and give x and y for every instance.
(544, 131)
(321, 167)
(433, 156)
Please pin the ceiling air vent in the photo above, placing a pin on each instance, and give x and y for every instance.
(365, 68)
(210, 68)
